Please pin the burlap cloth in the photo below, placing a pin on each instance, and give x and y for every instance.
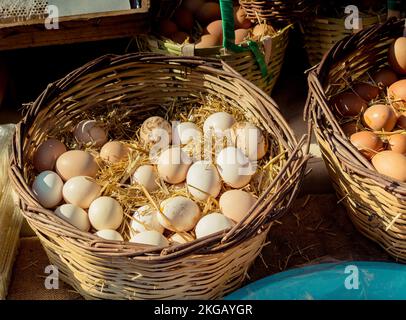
(316, 230)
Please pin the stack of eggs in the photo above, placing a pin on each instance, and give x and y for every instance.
(66, 180)
(374, 115)
(208, 16)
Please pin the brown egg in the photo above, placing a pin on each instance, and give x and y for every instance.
(167, 28)
(192, 5)
(380, 117)
(156, 130)
(90, 132)
(348, 104)
(398, 90)
(240, 18)
(367, 142)
(397, 55)
(397, 143)
(215, 28)
(402, 121)
(240, 35)
(235, 204)
(208, 41)
(391, 164)
(350, 128)
(114, 151)
(46, 155)
(366, 91)
(183, 19)
(208, 12)
(385, 77)
(261, 30)
(76, 163)
(180, 37)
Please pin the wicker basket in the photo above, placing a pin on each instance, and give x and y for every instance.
(322, 33)
(207, 268)
(272, 51)
(375, 203)
(279, 11)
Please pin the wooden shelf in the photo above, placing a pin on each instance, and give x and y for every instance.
(74, 29)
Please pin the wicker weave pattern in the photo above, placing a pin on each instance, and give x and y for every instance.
(207, 268)
(323, 33)
(282, 11)
(244, 63)
(375, 203)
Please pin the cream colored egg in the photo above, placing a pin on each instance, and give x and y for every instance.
(152, 238)
(156, 130)
(105, 213)
(76, 163)
(212, 223)
(176, 238)
(114, 151)
(185, 133)
(235, 204)
(218, 123)
(147, 176)
(47, 189)
(109, 234)
(234, 167)
(81, 191)
(74, 215)
(173, 164)
(249, 139)
(145, 219)
(203, 180)
(90, 132)
(181, 214)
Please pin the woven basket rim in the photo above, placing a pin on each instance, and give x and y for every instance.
(299, 154)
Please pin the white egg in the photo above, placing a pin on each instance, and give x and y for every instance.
(47, 189)
(81, 191)
(74, 215)
(109, 234)
(203, 180)
(212, 223)
(152, 238)
(249, 139)
(173, 164)
(218, 122)
(145, 219)
(105, 213)
(234, 167)
(185, 133)
(147, 176)
(181, 214)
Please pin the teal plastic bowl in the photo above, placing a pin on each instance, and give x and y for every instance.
(352, 280)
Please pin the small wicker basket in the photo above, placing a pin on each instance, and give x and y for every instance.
(322, 33)
(375, 203)
(207, 268)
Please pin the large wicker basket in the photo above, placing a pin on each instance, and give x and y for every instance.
(204, 269)
(321, 33)
(375, 203)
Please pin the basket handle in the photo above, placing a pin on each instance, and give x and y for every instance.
(227, 15)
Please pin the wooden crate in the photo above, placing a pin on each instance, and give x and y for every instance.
(74, 29)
